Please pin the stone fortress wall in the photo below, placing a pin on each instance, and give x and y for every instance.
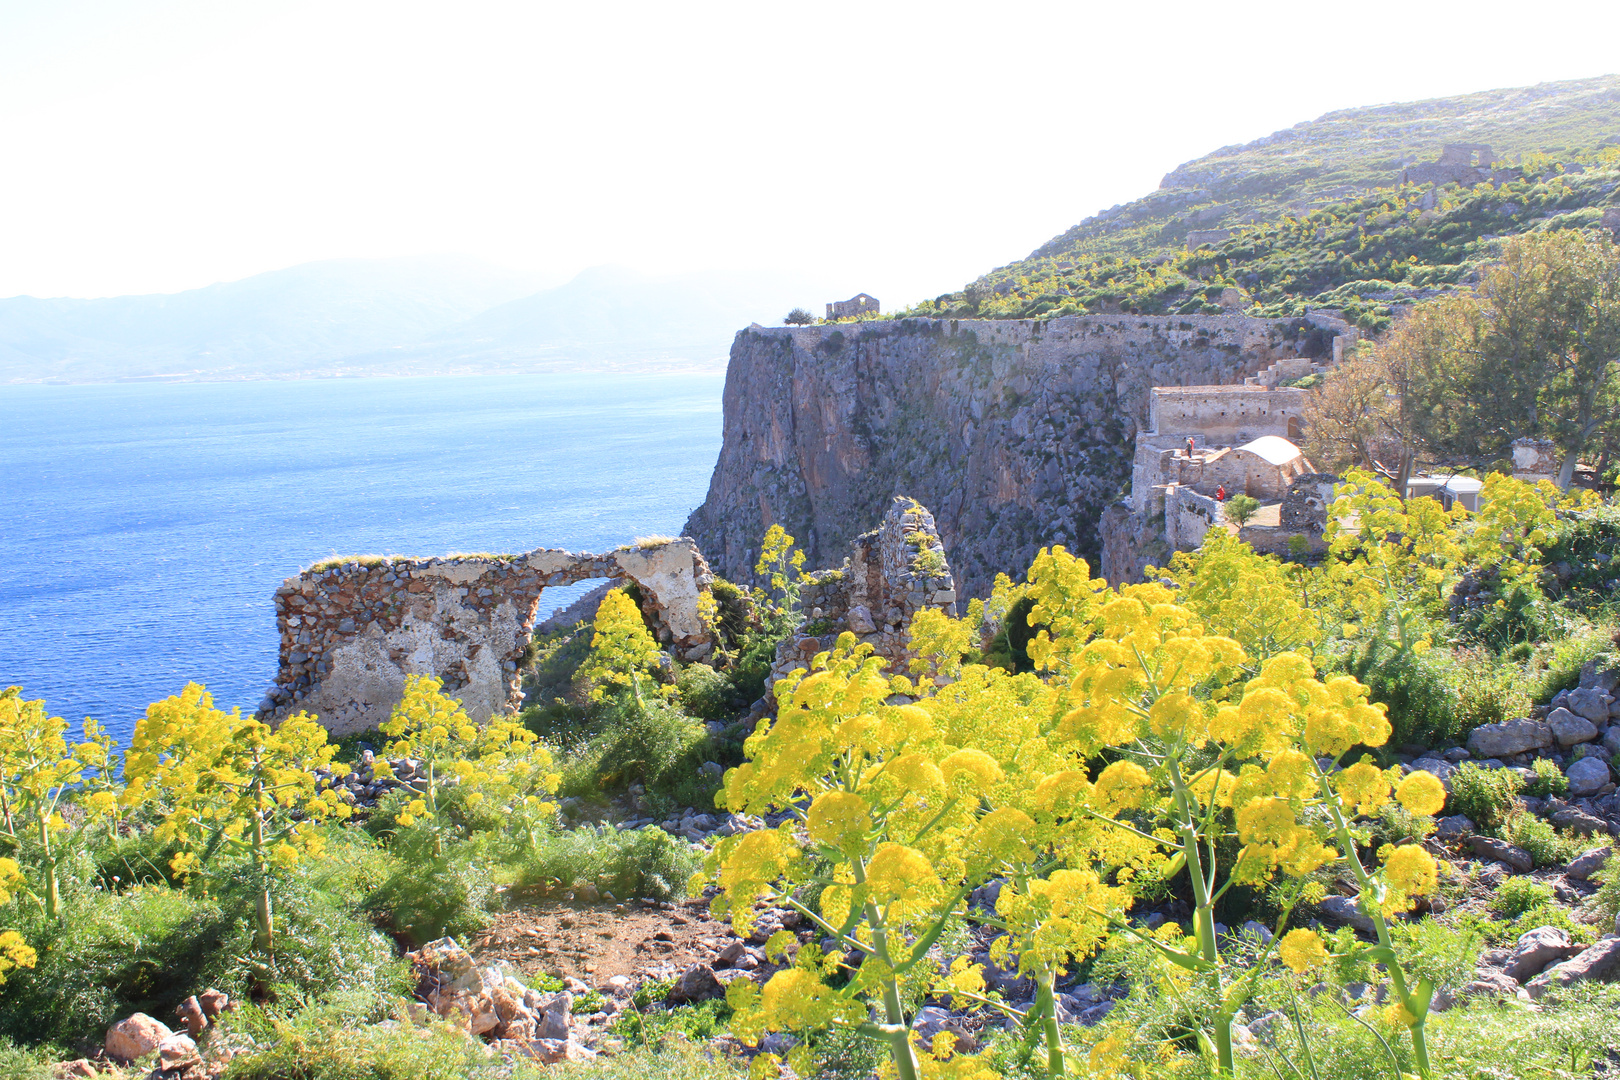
(351, 633)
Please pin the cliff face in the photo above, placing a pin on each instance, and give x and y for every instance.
(1015, 433)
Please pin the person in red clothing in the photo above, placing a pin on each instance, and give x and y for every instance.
(1189, 446)
(1220, 493)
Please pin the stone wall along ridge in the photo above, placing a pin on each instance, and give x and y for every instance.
(352, 632)
(1015, 433)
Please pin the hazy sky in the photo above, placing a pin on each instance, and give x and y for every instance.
(899, 148)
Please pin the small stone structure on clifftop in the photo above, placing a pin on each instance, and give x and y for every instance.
(350, 633)
(892, 573)
(859, 304)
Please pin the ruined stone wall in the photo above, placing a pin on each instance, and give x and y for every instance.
(878, 591)
(351, 633)
(1229, 415)
(1016, 433)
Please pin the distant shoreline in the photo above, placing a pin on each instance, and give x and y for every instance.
(636, 367)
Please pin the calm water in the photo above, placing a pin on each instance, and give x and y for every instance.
(143, 529)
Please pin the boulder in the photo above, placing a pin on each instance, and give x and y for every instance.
(1587, 776)
(1343, 909)
(77, 1067)
(553, 1051)
(1488, 983)
(1599, 963)
(1441, 768)
(1590, 702)
(1569, 729)
(1577, 820)
(213, 1002)
(697, 983)
(1508, 738)
(1488, 847)
(1536, 949)
(1584, 866)
(1455, 827)
(1611, 739)
(176, 1052)
(559, 1013)
(932, 1020)
(135, 1037)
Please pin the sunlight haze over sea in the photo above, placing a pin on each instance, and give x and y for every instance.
(146, 527)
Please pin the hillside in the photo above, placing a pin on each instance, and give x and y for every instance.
(1354, 210)
(417, 316)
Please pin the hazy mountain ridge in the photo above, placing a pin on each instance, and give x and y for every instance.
(429, 315)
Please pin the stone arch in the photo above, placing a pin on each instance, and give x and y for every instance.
(352, 632)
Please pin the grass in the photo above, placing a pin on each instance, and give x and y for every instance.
(645, 543)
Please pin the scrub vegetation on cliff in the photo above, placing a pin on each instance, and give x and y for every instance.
(1316, 216)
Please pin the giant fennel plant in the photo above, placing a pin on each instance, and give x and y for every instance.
(1140, 747)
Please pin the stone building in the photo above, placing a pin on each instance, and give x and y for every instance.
(859, 304)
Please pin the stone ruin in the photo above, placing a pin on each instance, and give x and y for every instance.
(877, 592)
(351, 633)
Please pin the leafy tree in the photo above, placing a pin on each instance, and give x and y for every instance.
(221, 781)
(1239, 509)
(799, 317)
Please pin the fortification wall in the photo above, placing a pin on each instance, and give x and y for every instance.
(1016, 433)
(351, 633)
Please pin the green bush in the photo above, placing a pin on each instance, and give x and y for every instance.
(704, 692)
(429, 897)
(653, 745)
(138, 951)
(1487, 797)
(336, 1041)
(1421, 691)
(1517, 895)
(640, 862)
(1546, 845)
(23, 1063)
(1549, 780)
(1607, 900)
(671, 1058)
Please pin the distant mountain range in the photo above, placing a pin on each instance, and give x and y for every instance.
(413, 316)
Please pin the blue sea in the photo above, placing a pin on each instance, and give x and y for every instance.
(144, 528)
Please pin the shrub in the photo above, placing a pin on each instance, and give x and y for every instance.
(1420, 689)
(331, 1042)
(19, 1063)
(671, 1058)
(647, 745)
(120, 953)
(704, 692)
(1487, 797)
(1517, 895)
(798, 317)
(1239, 509)
(1607, 901)
(1546, 845)
(641, 862)
(1549, 780)
(430, 897)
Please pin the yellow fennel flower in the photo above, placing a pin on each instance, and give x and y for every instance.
(1412, 870)
(1302, 950)
(1421, 793)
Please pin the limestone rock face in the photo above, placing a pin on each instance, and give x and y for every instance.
(1508, 738)
(1015, 433)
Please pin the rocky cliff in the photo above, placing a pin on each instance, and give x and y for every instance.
(1016, 433)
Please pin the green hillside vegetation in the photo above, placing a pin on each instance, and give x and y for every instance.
(1318, 216)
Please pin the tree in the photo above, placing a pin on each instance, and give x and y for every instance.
(1240, 508)
(1534, 354)
(799, 317)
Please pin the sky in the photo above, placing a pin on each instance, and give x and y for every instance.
(897, 148)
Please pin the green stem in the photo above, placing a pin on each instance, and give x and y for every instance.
(1203, 914)
(53, 899)
(265, 936)
(1397, 978)
(1046, 1004)
(897, 1031)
